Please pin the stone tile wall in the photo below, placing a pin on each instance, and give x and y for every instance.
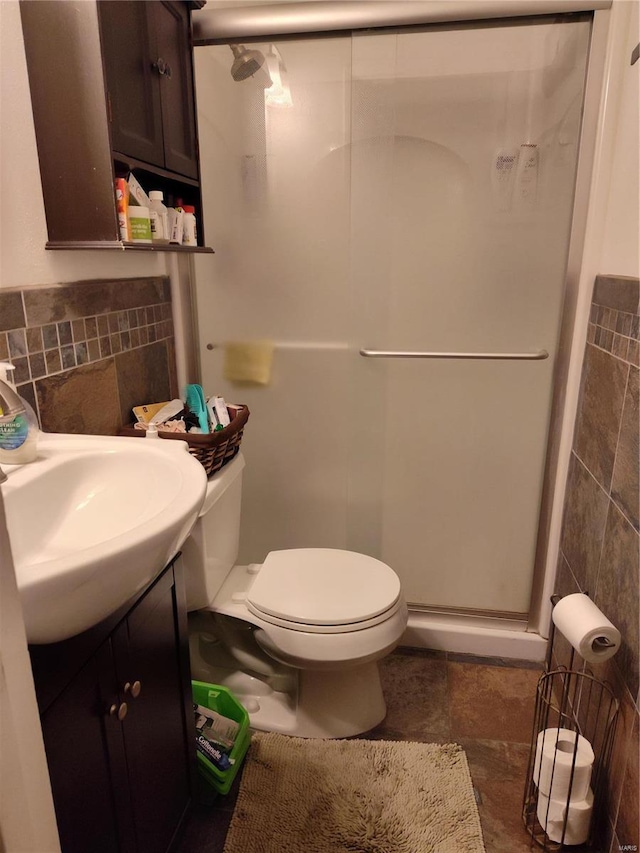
(600, 543)
(86, 352)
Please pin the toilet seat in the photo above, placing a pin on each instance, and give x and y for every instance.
(323, 590)
(307, 645)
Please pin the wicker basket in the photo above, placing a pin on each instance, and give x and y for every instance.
(213, 450)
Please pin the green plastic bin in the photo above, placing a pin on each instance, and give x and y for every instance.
(219, 699)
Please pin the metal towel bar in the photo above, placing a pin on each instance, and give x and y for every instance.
(506, 356)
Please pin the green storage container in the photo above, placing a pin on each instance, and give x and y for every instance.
(219, 699)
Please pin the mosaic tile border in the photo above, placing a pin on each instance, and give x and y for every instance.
(39, 351)
(616, 332)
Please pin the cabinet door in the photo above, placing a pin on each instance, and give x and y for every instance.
(132, 81)
(176, 90)
(85, 753)
(155, 729)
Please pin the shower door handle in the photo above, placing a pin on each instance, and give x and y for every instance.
(496, 356)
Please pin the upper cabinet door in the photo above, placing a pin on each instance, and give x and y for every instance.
(176, 88)
(149, 78)
(132, 81)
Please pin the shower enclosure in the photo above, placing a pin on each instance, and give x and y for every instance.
(392, 209)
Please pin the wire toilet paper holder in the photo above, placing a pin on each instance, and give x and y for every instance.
(568, 698)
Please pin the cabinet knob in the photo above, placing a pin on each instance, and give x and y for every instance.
(163, 68)
(133, 689)
(119, 711)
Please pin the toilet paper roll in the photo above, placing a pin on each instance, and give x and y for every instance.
(586, 627)
(555, 755)
(551, 816)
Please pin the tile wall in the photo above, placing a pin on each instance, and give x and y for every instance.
(600, 543)
(86, 352)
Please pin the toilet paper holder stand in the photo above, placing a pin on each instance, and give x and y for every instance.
(569, 697)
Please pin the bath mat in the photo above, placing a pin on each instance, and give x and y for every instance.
(354, 796)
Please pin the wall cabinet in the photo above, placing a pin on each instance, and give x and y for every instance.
(112, 92)
(149, 79)
(116, 716)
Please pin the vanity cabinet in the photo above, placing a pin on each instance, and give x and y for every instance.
(112, 92)
(116, 716)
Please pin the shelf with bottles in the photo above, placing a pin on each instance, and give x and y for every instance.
(177, 191)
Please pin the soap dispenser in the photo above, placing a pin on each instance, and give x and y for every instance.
(18, 423)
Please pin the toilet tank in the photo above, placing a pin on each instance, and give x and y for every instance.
(211, 550)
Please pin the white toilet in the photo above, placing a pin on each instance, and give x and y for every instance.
(296, 638)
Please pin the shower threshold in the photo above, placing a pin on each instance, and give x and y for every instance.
(485, 636)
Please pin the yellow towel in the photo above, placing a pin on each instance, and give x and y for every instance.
(248, 362)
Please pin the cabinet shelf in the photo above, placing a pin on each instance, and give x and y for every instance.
(126, 247)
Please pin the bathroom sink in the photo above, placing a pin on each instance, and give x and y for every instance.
(92, 522)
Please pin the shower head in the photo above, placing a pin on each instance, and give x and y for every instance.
(246, 62)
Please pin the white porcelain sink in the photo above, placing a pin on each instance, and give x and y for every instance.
(92, 521)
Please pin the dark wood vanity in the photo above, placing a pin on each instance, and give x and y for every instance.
(115, 707)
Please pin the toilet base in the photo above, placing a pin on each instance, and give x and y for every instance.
(339, 704)
(314, 703)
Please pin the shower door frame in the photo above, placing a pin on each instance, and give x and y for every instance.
(485, 634)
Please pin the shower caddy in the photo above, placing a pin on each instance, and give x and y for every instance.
(574, 699)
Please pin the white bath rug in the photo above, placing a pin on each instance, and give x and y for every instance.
(300, 795)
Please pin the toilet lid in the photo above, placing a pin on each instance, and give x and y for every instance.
(323, 586)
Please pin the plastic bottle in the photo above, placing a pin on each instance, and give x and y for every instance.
(176, 229)
(122, 206)
(158, 217)
(139, 225)
(189, 234)
(18, 431)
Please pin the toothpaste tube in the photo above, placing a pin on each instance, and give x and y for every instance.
(218, 414)
(221, 411)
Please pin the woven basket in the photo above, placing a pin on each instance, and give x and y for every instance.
(213, 450)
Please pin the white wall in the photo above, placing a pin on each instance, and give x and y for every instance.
(620, 251)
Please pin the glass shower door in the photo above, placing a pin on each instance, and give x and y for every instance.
(412, 193)
(463, 154)
(278, 208)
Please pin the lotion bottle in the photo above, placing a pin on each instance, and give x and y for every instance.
(19, 428)
(158, 217)
(189, 236)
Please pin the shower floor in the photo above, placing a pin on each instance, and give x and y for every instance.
(485, 704)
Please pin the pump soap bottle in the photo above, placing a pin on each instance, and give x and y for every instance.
(18, 423)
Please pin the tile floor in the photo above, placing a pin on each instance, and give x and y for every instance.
(485, 705)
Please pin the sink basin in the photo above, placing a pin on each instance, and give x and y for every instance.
(92, 522)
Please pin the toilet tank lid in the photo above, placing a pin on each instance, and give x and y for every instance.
(323, 586)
